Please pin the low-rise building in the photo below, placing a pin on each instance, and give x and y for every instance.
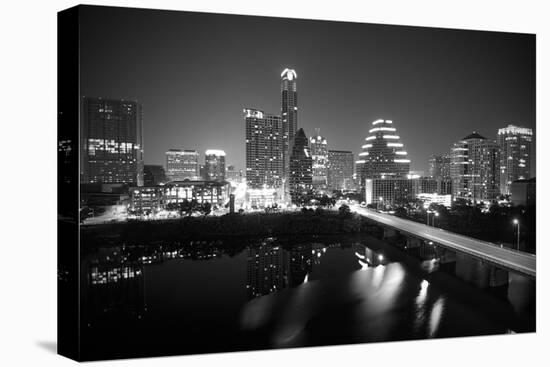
(156, 198)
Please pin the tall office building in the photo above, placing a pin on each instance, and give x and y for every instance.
(111, 142)
(440, 166)
(319, 156)
(214, 165)
(182, 165)
(264, 149)
(153, 175)
(340, 170)
(515, 146)
(474, 168)
(383, 153)
(289, 113)
(300, 175)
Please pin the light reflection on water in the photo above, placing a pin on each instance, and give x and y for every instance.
(309, 293)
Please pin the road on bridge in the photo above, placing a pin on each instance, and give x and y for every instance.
(506, 258)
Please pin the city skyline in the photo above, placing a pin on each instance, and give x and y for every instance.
(477, 81)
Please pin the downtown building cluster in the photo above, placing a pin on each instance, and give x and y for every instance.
(285, 166)
(112, 169)
(476, 169)
(282, 163)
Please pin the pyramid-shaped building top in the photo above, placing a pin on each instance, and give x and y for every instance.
(382, 154)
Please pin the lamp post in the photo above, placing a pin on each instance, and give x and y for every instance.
(380, 202)
(517, 223)
(436, 214)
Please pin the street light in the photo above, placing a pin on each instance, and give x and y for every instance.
(380, 202)
(516, 221)
(436, 214)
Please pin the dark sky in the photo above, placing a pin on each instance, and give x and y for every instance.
(195, 72)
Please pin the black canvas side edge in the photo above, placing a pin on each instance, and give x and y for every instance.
(68, 218)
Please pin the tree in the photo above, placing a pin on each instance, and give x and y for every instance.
(344, 210)
(401, 212)
(205, 208)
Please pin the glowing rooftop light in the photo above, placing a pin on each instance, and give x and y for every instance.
(380, 121)
(362, 154)
(370, 138)
(399, 145)
(381, 129)
(401, 152)
(361, 161)
(402, 160)
(512, 129)
(289, 74)
(391, 136)
(218, 152)
(367, 146)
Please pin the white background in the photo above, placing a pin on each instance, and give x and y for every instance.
(28, 179)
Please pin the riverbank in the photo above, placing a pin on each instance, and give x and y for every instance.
(226, 226)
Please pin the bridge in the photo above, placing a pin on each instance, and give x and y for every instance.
(504, 258)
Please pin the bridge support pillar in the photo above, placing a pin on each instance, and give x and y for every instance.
(498, 277)
(388, 232)
(413, 242)
(480, 273)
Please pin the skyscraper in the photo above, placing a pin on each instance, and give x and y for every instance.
(340, 170)
(289, 112)
(474, 168)
(301, 175)
(111, 142)
(182, 165)
(319, 156)
(515, 147)
(264, 149)
(383, 153)
(440, 166)
(214, 165)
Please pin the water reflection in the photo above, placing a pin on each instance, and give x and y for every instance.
(262, 293)
(270, 268)
(435, 316)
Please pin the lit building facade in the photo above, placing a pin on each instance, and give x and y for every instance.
(289, 113)
(383, 154)
(111, 142)
(389, 191)
(438, 199)
(264, 149)
(301, 172)
(399, 190)
(340, 170)
(475, 169)
(155, 198)
(515, 147)
(214, 165)
(319, 156)
(182, 165)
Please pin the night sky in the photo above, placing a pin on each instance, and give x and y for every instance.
(195, 72)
